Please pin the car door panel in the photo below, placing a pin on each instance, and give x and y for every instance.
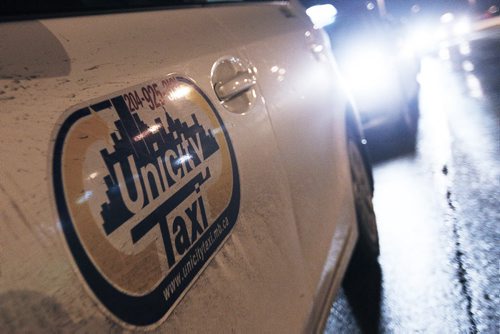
(293, 181)
(306, 108)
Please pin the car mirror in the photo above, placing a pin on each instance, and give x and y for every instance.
(322, 15)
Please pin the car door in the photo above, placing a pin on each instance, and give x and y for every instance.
(306, 106)
(131, 194)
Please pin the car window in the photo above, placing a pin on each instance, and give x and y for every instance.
(13, 9)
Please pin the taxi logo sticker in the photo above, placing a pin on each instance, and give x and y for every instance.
(147, 189)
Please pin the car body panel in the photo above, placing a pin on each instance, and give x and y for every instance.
(301, 99)
(285, 256)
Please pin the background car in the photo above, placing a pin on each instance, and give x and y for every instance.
(179, 166)
(379, 68)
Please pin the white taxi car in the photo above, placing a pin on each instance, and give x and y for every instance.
(178, 166)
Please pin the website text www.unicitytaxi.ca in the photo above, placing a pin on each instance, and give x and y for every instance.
(199, 254)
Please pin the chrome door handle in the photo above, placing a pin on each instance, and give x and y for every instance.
(235, 84)
(233, 87)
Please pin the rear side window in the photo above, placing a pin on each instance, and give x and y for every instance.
(14, 9)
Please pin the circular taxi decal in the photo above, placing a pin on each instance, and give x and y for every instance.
(147, 189)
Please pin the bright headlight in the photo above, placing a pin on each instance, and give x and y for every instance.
(366, 66)
(368, 73)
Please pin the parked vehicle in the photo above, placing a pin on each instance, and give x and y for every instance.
(181, 166)
(379, 67)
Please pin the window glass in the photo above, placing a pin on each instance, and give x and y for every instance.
(35, 8)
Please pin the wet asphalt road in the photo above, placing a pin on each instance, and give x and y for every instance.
(438, 208)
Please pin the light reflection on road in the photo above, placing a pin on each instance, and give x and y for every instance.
(437, 210)
(421, 290)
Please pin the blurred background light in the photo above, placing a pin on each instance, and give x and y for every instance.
(462, 27)
(447, 18)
